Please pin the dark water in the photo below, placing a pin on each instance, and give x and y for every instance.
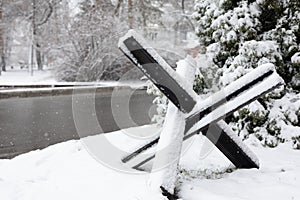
(37, 122)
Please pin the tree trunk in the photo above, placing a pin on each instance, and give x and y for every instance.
(38, 56)
(182, 6)
(130, 14)
(118, 7)
(36, 44)
(3, 63)
(2, 57)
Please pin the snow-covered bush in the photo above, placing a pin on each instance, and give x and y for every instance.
(240, 35)
(160, 101)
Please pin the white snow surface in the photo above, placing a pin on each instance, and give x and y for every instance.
(23, 77)
(68, 171)
(45, 77)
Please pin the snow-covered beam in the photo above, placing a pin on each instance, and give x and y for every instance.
(158, 71)
(168, 150)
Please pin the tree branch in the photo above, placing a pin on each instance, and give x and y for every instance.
(118, 7)
(47, 16)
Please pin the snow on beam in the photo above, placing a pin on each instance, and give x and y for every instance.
(236, 103)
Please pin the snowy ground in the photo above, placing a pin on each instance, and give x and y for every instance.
(68, 171)
(23, 77)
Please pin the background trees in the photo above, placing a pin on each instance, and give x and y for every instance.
(95, 29)
(77, 39)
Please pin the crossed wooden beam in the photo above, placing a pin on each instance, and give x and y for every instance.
(201, 115)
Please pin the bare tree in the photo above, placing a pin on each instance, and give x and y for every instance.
(41, 13)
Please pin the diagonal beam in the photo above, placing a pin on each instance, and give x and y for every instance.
(164, 78)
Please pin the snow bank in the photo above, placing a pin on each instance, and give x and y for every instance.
(45, 78)
(278, 177)
(22, 77)
(68, 171)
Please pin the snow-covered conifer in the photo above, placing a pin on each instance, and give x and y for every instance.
(241, 35)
